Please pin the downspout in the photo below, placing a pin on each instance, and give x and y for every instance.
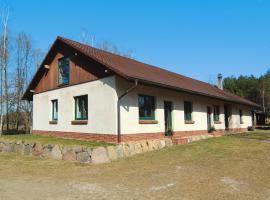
(118, 109)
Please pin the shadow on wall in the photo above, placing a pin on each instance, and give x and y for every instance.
(108, 81)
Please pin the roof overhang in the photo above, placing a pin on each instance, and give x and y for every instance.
(147, 82)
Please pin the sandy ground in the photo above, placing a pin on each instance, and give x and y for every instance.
(214, 169)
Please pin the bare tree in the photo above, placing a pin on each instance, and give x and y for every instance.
(36, 58)
(88, 38)
(23, 49)
(19, 77)
(110, 47)
(32, 59)
(14, 113)
(4, 62)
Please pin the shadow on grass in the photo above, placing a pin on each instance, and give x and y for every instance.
(255, 135)
(14, 132)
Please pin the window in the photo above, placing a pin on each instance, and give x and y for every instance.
(146, 107)
(81, 107)
(63, 71)
(241, 116)
(188, 110)
(54, 110)
(216, 113)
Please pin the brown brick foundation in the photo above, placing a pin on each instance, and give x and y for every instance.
(131, 137)
(142, 136)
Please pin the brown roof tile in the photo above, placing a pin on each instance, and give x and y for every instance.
(133, 69)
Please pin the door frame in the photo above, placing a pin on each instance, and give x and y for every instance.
(168, 124)
(226, 116)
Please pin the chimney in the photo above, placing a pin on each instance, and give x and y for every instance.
(219, 81)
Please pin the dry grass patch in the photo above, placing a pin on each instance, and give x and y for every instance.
(227, 167)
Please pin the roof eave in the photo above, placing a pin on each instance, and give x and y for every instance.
(189, 91)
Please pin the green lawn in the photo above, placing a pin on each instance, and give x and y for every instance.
(228, 167)
(54, 140)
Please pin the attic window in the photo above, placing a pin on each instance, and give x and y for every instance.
(63, 71)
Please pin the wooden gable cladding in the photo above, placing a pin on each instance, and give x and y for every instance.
(82, 69)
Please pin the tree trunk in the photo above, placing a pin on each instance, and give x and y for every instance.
(5, 61)
(6, 97)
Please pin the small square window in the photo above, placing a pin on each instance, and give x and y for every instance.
(188, 108)
(63, 71)
(146, 107)
(81, 107)
(54, 110)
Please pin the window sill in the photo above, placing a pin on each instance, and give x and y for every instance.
(53, 122)
(79, 122)
(217, 122)
(189, 122)
(62, 85)
(148, 121)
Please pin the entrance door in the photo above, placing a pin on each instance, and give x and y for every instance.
(209, 121)
(168, 117)
(226, 116)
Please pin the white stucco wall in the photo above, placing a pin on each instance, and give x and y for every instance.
(102, 114)
(234, 121)
(102, 109)
(130, 113)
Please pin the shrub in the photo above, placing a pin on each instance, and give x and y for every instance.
(212, 129)
(169, 132)
(251, 128)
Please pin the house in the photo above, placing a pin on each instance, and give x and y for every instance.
(87, 93)
(262, 119)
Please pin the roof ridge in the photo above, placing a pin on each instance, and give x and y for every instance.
(132, 59)
(87, 45)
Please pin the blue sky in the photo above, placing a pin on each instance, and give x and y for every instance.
(197, 38)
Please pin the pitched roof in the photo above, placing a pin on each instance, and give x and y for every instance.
(132, 69)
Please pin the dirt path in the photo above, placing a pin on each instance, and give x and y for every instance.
(17, 188)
